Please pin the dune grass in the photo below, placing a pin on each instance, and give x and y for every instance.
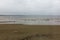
(26, 32)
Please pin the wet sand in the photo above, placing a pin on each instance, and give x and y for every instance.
(29, 32)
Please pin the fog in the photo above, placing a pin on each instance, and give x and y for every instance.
(30, 7)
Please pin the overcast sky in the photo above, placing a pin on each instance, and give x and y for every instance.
(30, 7)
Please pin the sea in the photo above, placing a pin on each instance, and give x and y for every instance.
(30, 19)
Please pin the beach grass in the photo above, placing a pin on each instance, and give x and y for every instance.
(26, 32)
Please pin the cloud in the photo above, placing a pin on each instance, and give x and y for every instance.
(30, 7)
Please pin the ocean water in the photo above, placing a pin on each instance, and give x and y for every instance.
(30, 19)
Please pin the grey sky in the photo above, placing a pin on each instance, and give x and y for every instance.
(32, 7)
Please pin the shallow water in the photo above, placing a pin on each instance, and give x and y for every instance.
(30, 20)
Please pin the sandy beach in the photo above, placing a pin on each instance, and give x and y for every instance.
(29, 28)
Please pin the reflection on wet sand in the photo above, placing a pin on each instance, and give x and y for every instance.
(6, 21)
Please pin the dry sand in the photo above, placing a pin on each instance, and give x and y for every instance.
(29, 32)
